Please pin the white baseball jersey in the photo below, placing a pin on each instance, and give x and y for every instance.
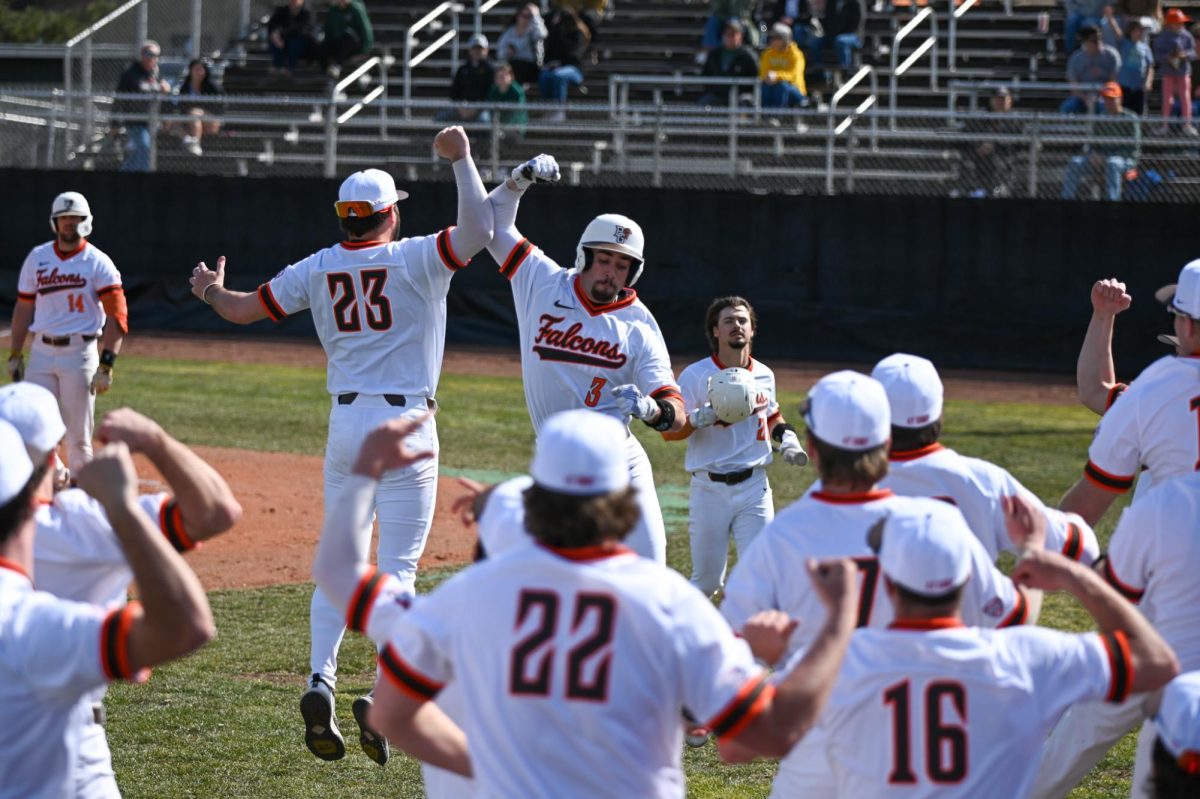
(379, 310)
(66, 288)
(931, 708)
(977, 487)
(502, 523)
(728, 447)
(573, 351)
(573, 658)
(52, 652)
(1155, 424)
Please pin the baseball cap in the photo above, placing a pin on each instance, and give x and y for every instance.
(848, 410)
(33, 412)
(1183, 297)
(367, 192)
(477, 40)
(1111, 89)
(925, 548)
(1176, 17)
(780, 31)
(1178, 720)
(15, 466)
(582, 453)
(914, 390)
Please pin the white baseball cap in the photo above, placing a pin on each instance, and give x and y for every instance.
(477, 40)
(1183, 297)
(15, 466)
(914, 390)
(1178, 719)
(372, 187)
(33, 411)
(581, 452)
(925, 548)
(848, 410)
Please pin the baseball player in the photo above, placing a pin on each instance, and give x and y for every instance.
(1177, 750)
(54, 651)
(379, 307)
(575, 632)
(68, 295)
(848, 421)
(919, 466)
(931, 707)
(1095, 376)
(587, 341)
(77, 555)
(1156, 424)
(729, 493)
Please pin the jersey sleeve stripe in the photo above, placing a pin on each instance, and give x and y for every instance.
(267, 298)
(515, 258)
(446, 252)
(410, 681)
(1113, 393)
(666, 392)
(26, 297)
(170, 521)
(1134, 595)
(1109, 482)
(1121, 665)
(108, 289)
(114, 643)
(1019, 614)
(363, 601)
(753, 697)
(1073, 546)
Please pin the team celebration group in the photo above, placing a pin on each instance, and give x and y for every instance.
(865, 636)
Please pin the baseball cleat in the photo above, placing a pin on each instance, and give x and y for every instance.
(373, 744)
(697, 737)
(321, 734)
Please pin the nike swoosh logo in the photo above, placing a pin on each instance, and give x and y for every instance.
(558, 304)
(42, 263)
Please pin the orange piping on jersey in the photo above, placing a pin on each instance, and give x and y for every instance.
(16, 567)
(113, 300)
(1019, 613)
(1105, 481)
(1116, 646)
(1134, 595)
(170, 521)
(666, 393)
(1073, 546)
(114, 644)
(512, 263)
(1113, 393)
(362, 245)
(587, 554)
(936, 623)
(22, 297)
(720, 365)
(852, 499)
(446, 251)
(267, 298)
(913, 454)
(751, 699)
(64, 256)
(595, 310)
(411, 682)
(358, 612)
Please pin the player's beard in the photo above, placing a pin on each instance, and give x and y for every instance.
(604, 293)
(69, 240)
(738, 344)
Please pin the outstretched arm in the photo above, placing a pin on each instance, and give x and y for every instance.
(1095, 375)
(505, 198)
(240, 307)
(473, 231)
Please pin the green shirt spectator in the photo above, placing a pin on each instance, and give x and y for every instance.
(347, 34)
(506, 90)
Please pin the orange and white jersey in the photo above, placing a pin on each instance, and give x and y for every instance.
(52, 652)
(574, 351)
(575, 666)
(729, 447)
(1155, 424)
(379, 309)
(1153, 560)
(978, 487)
(771, 574)
(66, 288)
(932, 708)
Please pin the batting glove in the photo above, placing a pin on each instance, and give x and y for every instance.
(102, 380)
(539, 169)
(16, 367)
(632, 402)
(704, 416)
(790, 449)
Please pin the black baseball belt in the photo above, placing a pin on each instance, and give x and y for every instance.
(395, 400)
(730, 478)
(63, 341)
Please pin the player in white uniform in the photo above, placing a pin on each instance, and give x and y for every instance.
(729, 493)
(587, 341)
(931, 707)
(1177, 750)
(68, 295)
(848, 431)
(379, 307)
(919, 466)
(54, 651)
(1156, 423)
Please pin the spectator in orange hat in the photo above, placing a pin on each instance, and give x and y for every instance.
(1174, 51)
(1114, 153)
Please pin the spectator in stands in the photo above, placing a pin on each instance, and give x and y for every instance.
(290, 36)
(590, 12)
(522, 45)
(1115, 157)
(471, 84)
(1174, 51)
(140, 77)
(1093, 62)
(198, 97)
(505, 89)
(567, 39)
(781, 71)
(842, 24)
(719, 14)
(1136, 75)
(348, 35)
(1081, 13)
(733, 59)
(987, 166)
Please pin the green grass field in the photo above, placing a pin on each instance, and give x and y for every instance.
(225, 721)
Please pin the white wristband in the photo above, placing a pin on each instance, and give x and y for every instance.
(204, 294)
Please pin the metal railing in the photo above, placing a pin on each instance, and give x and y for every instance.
(1039, 88)
(434, 21)
(929, 44)
(482, 7)
(865, 73)
(952, 44)
(335, 120)
(85, 38)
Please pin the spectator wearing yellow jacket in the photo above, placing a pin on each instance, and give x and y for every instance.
(781, 70)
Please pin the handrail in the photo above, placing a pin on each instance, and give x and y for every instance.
(865, 73)
(930, 43)
(100, 23)
(955, 13)
(334, 120)
(410, 39)
(973, 87)
(481, 8)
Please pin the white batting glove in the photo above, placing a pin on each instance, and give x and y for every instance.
(704, 416)
(16, 367)
(539, 169)
(632, 402)
(790, 449)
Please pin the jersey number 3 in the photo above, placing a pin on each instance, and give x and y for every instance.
(588, 661)
(345, 300)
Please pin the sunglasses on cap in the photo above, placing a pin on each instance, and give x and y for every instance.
(356, 208)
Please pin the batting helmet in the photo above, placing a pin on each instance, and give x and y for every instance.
(614, 233)
(72, 203)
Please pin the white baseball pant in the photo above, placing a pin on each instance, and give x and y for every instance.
(94, 777)
(649, 536)
(717, 511)
(1080, 740)
(67, 373)
(404, 505)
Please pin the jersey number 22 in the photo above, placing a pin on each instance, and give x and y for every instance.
(534, 659)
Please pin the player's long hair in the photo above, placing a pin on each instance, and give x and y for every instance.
(565, 521)
(714, 311)
(846, 467)
(1170, 780)
(907, 439)
(17, 510)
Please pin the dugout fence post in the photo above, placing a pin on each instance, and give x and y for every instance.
(656, 180)
(1035, 146)
(152, 126)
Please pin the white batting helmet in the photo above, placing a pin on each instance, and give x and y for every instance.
(614, 233)
(732, 394)
(72, 203)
